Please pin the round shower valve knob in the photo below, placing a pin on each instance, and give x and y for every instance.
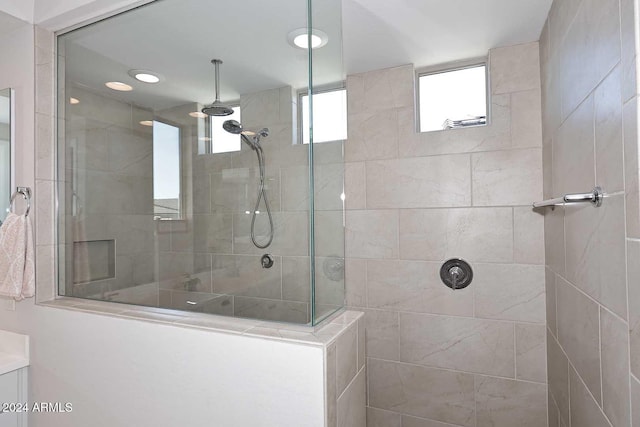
(456, 274)
(266, 261)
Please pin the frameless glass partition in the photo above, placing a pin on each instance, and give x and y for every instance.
(184, 180)
(6, 112)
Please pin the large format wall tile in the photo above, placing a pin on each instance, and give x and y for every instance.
(585, 411)
(414, 286)
(554, 242)
(526, 121)
(476, 235)
(635, 402)
(558, 377)
(507, 177)
(470, 345)
(608, 133)
(531, 352)
(595, 252)
(631, 168)
(633, 277)
(573, 152)
(515, 68)
(507, 403)
(614, 335)
(590, 49)
(381, 418)
(372, 234)
(509, 292)
(419, 182)
(528, 236)
(382, 334)
(352, 411)
(578, 333)
(423, 392)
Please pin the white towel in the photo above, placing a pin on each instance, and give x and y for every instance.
(17, 267)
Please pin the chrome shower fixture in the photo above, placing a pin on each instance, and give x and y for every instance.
(217, 108)
(234, 127)
(252, 139)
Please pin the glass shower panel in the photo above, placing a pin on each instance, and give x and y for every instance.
(153, 211)
(327, 182)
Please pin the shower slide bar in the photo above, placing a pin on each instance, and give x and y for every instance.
(595, 198)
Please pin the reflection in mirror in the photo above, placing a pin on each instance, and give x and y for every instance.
(5, 150)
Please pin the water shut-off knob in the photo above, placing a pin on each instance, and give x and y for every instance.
(456, 273)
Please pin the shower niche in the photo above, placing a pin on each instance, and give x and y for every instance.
(182, 145)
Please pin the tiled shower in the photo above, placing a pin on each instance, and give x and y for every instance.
(547, 334)
(468, 357)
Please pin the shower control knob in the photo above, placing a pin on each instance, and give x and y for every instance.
(456, 273)
(266, 261)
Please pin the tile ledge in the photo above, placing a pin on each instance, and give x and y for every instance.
(319, 336)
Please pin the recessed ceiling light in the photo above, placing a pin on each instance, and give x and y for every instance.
(74, 101)
(146, 122)
(197, 114)
(119, 86)
(300, 38)
(145, 76)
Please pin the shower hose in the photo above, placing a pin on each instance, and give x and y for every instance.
(261, 195)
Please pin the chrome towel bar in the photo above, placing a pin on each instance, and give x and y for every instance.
(595, 198)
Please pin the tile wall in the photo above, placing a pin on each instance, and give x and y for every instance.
(588, 65)
(108, 163)
(472, 357)
(207, 256)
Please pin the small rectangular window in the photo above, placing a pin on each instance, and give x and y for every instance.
(221, 140)
(453, 98)
(166, 171)
(329, 116)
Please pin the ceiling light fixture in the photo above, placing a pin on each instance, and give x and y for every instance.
(146, 122)
(145, 76)
(197, 115)
(119, 86)
(74, 101)
(300, 38)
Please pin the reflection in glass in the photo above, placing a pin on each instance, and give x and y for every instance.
(122, 175)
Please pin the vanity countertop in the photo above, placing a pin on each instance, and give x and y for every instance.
(14, 351)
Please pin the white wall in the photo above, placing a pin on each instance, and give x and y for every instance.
(118, 372)
(17, 72)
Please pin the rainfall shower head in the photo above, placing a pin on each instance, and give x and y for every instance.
(217, 108)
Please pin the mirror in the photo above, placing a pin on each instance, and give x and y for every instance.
(6, 137)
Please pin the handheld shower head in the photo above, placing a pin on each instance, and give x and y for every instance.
(234, 127)
(217, 108)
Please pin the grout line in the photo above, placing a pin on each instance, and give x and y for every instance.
(592, 299)
(600, 356)
(515, 352)
(457, 371)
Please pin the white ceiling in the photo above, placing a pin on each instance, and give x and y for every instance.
(177, 38)
(384, 33)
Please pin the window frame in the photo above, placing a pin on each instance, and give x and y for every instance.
(332, 87)
(451, 67)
